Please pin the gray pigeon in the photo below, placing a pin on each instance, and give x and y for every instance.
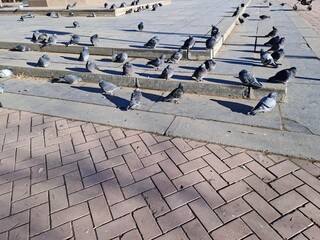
(266, 104)
(284, 75)
(1, 106)
(140, 26)
(42, 38)
(21, 48)
(120, 57)
(75, 39)
(267, 59)
(35, 36)
(277, 46)
(69, 78)
(136, 96)
(210, 64)
(263, 17)
(105, 5)
(127, 69)
(272, 41)
(248, 79)
(93, 14)
(71, 14)
(54, 14)
(76, 24)
(108, 88)
(278, 55)
(153, 42)
(200, 73)
(84, 55)
(113, 6)
(157, 62)
(175, 95)
(20, 7)
(175, 58)
(94, 39)
(273, 32)
(5, 73)
(43, 61)
(91, 66)
(53, 39)
(122, 5)
(210, 42)
(167, 73)
(215, 31)
(189, 43)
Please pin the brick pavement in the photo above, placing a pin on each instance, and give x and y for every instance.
(64, 179)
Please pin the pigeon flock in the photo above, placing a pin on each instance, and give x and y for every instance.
(270, 57)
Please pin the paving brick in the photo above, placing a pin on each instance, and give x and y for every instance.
(291, 224)
(234, 191)
(98, 154)
(309, 194)
(236, 229)
(288, 202)
(238, 160)
(155, 202)
(14, 176)
(154, 158)
(261, 228)
(123, 175)
(110, 163)
(13, 221)
(7, 165)
(262, 207)
(312, 233)
(23, 153)
(86, 167)
(116, 227)
(38, 142)
(164, 185)
(85, 194)
(192, 165)
(53, 160)
(77, 138)
(73, 182)
(309, 179)
(127, 206)
(119, 151)
(197, 153)
(7, 154)
(307, 166)
(69, 131)
(160, 138)
(141, 149)
(30, 162)
(100, 128)
(181, 144)
(66, 148)
(62, 232)
(128, 140)
(212, 198)
(75, 157)
(300, 237)
(182, 197)
(38, 173)
(117, 133)
(69, 214)
(87, 146)
(37, 120)
(146, 223)
(130, 132)
(133, 161)
(283, 168)
(96, 136)
(112, 191)
(261, 158)
(88, 128)
(260, 171)
(5, 188)
(50, 130)
(29, 202)
(63, 140)
(59, 171)
(170, 169)
(137, 188)
(277, 158)
(98, 178)
(232, 210)
(83, 229)
(188, 180)
(108, 143)
(234, 150)
(195, 144)
(213, 178)
(195, 230)
(159, 147)
(146, 172)
(176, 156)
(19, 233)
(58, 199)
(220, 152)
(286, 183)
(262, 188)
(44, 151)
(311, 212)
(5, 203)
(39, 220)
(131, 235)
(236, 174)
(47, 185)
(175, 218)
(21, 189)
(177, 233)
(100, 211)
(218, 165)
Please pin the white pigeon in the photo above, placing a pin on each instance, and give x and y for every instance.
(5, 73)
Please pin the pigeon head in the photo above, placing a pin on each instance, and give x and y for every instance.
(243, 71)
(273, 95)
(181, 86)
(293, 70)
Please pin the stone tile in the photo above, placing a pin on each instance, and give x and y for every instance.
(236, 229)
(286, 183)
(177, 233)
(311, 212)
(262, 188)
(208, 193)
(236, 174)
(182, 197)
(195, 230)
(100, 211)
(283, 168)
(232, 210)
(156, 202)
(260, 171)
(234, 191)
(127, 206)
(288, 202)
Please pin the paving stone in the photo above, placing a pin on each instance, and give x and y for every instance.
(236, 229)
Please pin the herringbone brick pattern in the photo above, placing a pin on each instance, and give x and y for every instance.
(63, 179)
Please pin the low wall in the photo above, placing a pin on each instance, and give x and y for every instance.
(64, 3)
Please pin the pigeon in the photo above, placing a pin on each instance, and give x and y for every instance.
(136, 96)
(282, 4)
(278, 55)
(157, 62)
(76, 24)
(91, 66)
(235, 12)
(71, 14)
(266, 104)
(21, 48)
(29, 15)
(263, 17)
(75, 39)
(140, 26)
(189, 43)
(214, 31)
(68, 6)
(94, 39)
(108, 88)
(113, 6)
(122, 5)
(200, 73)
(167, 73)
(241, 20)
(43, 61)
(273, 33)
(175, 57)
(1, 90)
(1, 106)
(210, 42)
(42, 38)
(22, 18)
(277, 46)
(154, 7)
(35, 36)
(53, 39)
(270, 4)
(69, 78)
(127, 69)
(210, 65)
(245, 15)
(272, 41)
(284, 75)
(175, 95)
(242, 5)
(267, 59)
(129, 11)
(153, 42)
(105, 5)
(120, 57)
(74, 4)
(84, 55)
(249, 80)
(93, 14)
(20, 7)
(5, 73)
(54, 15)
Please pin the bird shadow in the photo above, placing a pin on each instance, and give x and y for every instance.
(106, 60)
(52, 32)
(77, 69)
(120, 102)
(142, 65)
(222, 81)
(188, 68)
(112, 72)
(234, 106)
(71, 58)
(139, 46)
(87, 89)
(306, 78)
(70, 27)
(149, 75)
(32, 64)
(152, 97)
